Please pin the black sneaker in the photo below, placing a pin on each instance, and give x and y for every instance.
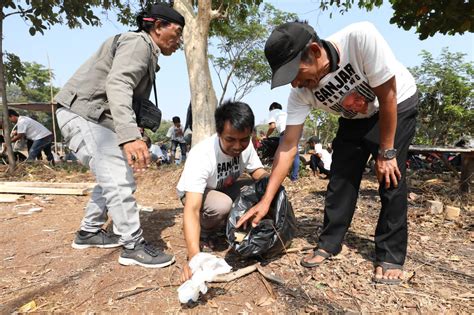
(100, 239)
(146, 256)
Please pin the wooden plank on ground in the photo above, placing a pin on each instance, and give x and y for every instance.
(48, 185)
(43, 190)
(10, 197)
(439, 149)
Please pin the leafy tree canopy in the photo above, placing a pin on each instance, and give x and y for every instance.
(446, 86)
(14, 70)
(43, 14)
(160, 134)
(322, 124)
(428, 17)
(241, 40)
(34, 85)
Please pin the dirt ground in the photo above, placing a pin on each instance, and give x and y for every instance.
(38, 264)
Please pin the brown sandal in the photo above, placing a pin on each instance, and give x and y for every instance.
(387, 266)
(316, 252)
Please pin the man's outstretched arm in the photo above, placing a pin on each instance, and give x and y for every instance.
(192, 228)
(283, 160)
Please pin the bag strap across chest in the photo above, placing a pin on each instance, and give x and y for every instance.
(114, 49)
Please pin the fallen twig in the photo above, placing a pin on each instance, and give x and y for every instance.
(231, 276)
(299, 249)
(296, 273)
(144, 290)
(267, 286)
(135, 293)
(269, 276)
(459, 273)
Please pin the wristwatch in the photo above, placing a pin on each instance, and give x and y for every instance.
(388, 153)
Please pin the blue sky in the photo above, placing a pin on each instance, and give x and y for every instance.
(67, 49)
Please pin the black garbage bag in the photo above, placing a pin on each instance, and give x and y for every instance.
(274, 232)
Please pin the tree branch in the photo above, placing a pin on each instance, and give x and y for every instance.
(22, 12)
(217, 14)
(185, 7)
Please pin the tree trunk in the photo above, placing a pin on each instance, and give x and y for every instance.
(203, 96)
(6, 122)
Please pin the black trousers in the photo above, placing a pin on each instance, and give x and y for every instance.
(315, 163)
(356, 139)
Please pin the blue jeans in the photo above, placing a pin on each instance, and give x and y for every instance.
(182, 146)
(296, 162)
(41, 144)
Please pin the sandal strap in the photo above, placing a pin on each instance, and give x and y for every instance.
(319, 252)
(388, 266)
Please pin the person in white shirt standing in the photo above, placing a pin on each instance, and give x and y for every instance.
(30, 129)
(354, 74)
(277, 120)
(176, 135)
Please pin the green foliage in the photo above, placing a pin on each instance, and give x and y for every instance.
(434, 16)
(160, 134)
(346, 5)
(241, 39)
(322, 124)
(446, 86)
(41, 15)
(33, 86)
(71, 167)
(427, 16)
(14, 69)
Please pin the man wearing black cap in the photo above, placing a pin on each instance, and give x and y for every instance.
(353, 74)
(99, 125)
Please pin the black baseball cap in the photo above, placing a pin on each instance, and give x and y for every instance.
(165, 12)
(283, 50)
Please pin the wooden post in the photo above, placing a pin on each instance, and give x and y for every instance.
(53, 113)
(3, 100)
(467, 169)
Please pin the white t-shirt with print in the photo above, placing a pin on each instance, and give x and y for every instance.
(366, 61)
(32, 129)
(278, 117)
(176, 134)
(208, 167)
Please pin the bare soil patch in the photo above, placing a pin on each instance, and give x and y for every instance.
(38, 264)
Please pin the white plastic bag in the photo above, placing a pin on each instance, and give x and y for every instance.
(204, 267)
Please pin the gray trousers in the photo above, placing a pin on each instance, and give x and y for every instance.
(96, 147)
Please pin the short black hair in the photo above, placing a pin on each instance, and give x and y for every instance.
(314, 139)
(239, 115)
(176, 119)
(275, 105)
(147, 140)
(11, 112)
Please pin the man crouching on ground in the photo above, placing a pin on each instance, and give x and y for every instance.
(209, 183)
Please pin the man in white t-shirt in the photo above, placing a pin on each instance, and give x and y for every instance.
(321, 158)
(176, 135)
(209, 182)
(353, 74)
(277, 120)
(30, 129)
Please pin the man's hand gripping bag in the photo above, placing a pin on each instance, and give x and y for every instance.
(274, 232)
